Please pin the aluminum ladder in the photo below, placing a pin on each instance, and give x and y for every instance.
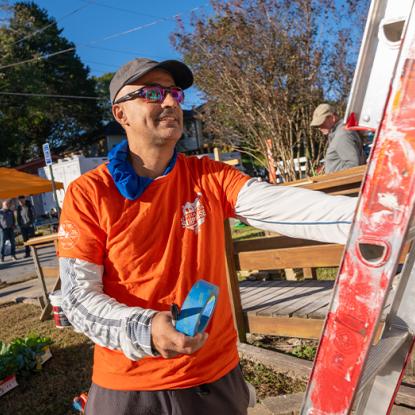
(349, 372)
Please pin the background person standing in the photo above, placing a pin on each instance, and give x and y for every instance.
(25, 220)
(345, 149)
(7, 225)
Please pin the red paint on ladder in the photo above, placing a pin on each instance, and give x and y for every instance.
(384, 212)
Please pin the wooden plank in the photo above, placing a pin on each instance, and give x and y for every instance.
(406, 395)
(327, 255)
(287, 299)
(258, 296)
(318, 300)
(282, 300)
(255, 293)
(307, 297)
(320, 312)
(346, 172)
(285, 326)
(233, 284)
(290, 274)
(345, 192)
(273, 242)
(358, 171)
(272, 293)
(322, 301)
(301, 296)
(50, 272)
(273, 296)
(314, 256)
(40, 240)
(341, 181)
(309, 274)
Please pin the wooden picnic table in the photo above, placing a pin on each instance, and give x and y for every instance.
(41, 272)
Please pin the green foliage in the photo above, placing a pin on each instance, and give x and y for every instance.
(304, 352)
(246, 232)
(26, 122)
(22, 355)
(8, 362)
(268, 382)
(102, 84)
(328, 274)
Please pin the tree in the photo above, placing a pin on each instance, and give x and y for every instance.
(28, 121)
(263, 66)
(102, 84)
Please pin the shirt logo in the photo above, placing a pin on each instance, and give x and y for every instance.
(193, 214)
(68, 235)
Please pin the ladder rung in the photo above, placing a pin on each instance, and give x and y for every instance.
(380, 354)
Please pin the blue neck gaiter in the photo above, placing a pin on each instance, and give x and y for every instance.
(128, 183)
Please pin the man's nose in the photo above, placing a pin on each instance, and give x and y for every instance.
(169, 101)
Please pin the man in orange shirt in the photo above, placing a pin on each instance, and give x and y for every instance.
(136, 234)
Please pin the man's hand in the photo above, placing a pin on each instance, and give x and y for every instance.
(168, 341)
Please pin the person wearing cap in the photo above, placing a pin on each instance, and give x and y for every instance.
(135, 235)
(345, 147)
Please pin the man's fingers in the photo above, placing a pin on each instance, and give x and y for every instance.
(169, 342)
(186, 344)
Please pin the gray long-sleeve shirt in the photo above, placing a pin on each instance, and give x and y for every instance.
(345, 149)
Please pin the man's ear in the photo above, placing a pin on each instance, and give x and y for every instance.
(119, 114)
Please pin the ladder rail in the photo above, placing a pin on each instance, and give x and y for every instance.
(383, 218)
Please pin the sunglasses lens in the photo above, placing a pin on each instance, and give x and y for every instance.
(153, 94)
(177, 94)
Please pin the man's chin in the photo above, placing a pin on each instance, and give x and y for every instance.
(169, 137)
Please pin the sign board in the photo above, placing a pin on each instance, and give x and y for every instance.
(46, 153)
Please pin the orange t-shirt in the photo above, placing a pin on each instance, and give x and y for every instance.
(153, 250)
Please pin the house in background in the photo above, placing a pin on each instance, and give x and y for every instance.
(191, 142)
(91, 151)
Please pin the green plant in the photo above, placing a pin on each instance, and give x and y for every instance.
(269, 382)
(8, 363)
(304, 352)
(22, 355)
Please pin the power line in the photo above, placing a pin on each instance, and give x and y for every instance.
(101, 63)
(42, 29)
(41, 57)
(126, 52)
(120, 9)
(27, 94)
(37, 58)
(143, 26)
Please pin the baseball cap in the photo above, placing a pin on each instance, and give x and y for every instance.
(320, 114)
(138, 67)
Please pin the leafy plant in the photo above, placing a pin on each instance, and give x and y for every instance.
(304, 352)
(8, 363)
(22, 355)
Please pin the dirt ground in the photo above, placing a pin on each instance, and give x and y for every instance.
(68, 373)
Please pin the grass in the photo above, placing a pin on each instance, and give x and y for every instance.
(246, 232)
(327, 273)
(63, 377)
(68, 373)
(268, 382)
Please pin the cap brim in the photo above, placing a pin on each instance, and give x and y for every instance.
(182, 75)
(316, 122)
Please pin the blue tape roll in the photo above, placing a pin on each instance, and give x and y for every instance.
(197, 308)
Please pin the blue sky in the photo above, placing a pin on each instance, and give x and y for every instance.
(109, 33)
